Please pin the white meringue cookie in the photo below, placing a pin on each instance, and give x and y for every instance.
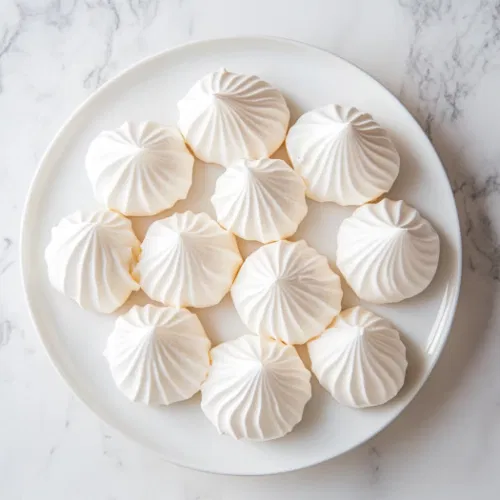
(286, 290)
(188, 260)
(90, 258)
(139, 169)
(256, 388)
(360, 360)
(387, 252)
(158, 355)
(343, 155)
(262, 200)
(227, 116)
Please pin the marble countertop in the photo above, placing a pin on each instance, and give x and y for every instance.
(442, 58)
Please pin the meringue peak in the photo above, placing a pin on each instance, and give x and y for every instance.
(360, 360)
(228, 116)
(139, 168)
(387, 251)
(256, 388)
(158, 355)
(287, 291)
(360, 332)
(346, 129)
(343, 155)
(262, 200)
(188, 260)
(92, 248)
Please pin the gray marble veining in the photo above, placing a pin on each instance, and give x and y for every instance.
(444, 70)
(444, 64)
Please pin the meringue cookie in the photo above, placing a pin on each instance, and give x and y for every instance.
(256, 388)
(188, 260)
(261, 200)
(90, 258)
(158, 355)
(360, 360)
(387, 252)
(343, 155)
(227, 116)
(139, 169)
(286, 290)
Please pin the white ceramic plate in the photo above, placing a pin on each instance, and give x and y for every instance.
(150, 90)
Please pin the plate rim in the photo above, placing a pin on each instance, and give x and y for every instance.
(27, 209)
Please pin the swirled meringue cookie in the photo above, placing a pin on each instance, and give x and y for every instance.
(256, 388)
(343, 155)
(139, 168)
(227, 116)
(158, 355)
(188, 260)
(286, 290)
(262, 200)
(387, 252)
(90, 258)
(360, 360)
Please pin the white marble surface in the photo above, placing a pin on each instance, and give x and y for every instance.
(442, 57)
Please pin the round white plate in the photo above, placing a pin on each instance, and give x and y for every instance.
(75, 339)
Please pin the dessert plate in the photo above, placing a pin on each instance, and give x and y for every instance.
(75, 339)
